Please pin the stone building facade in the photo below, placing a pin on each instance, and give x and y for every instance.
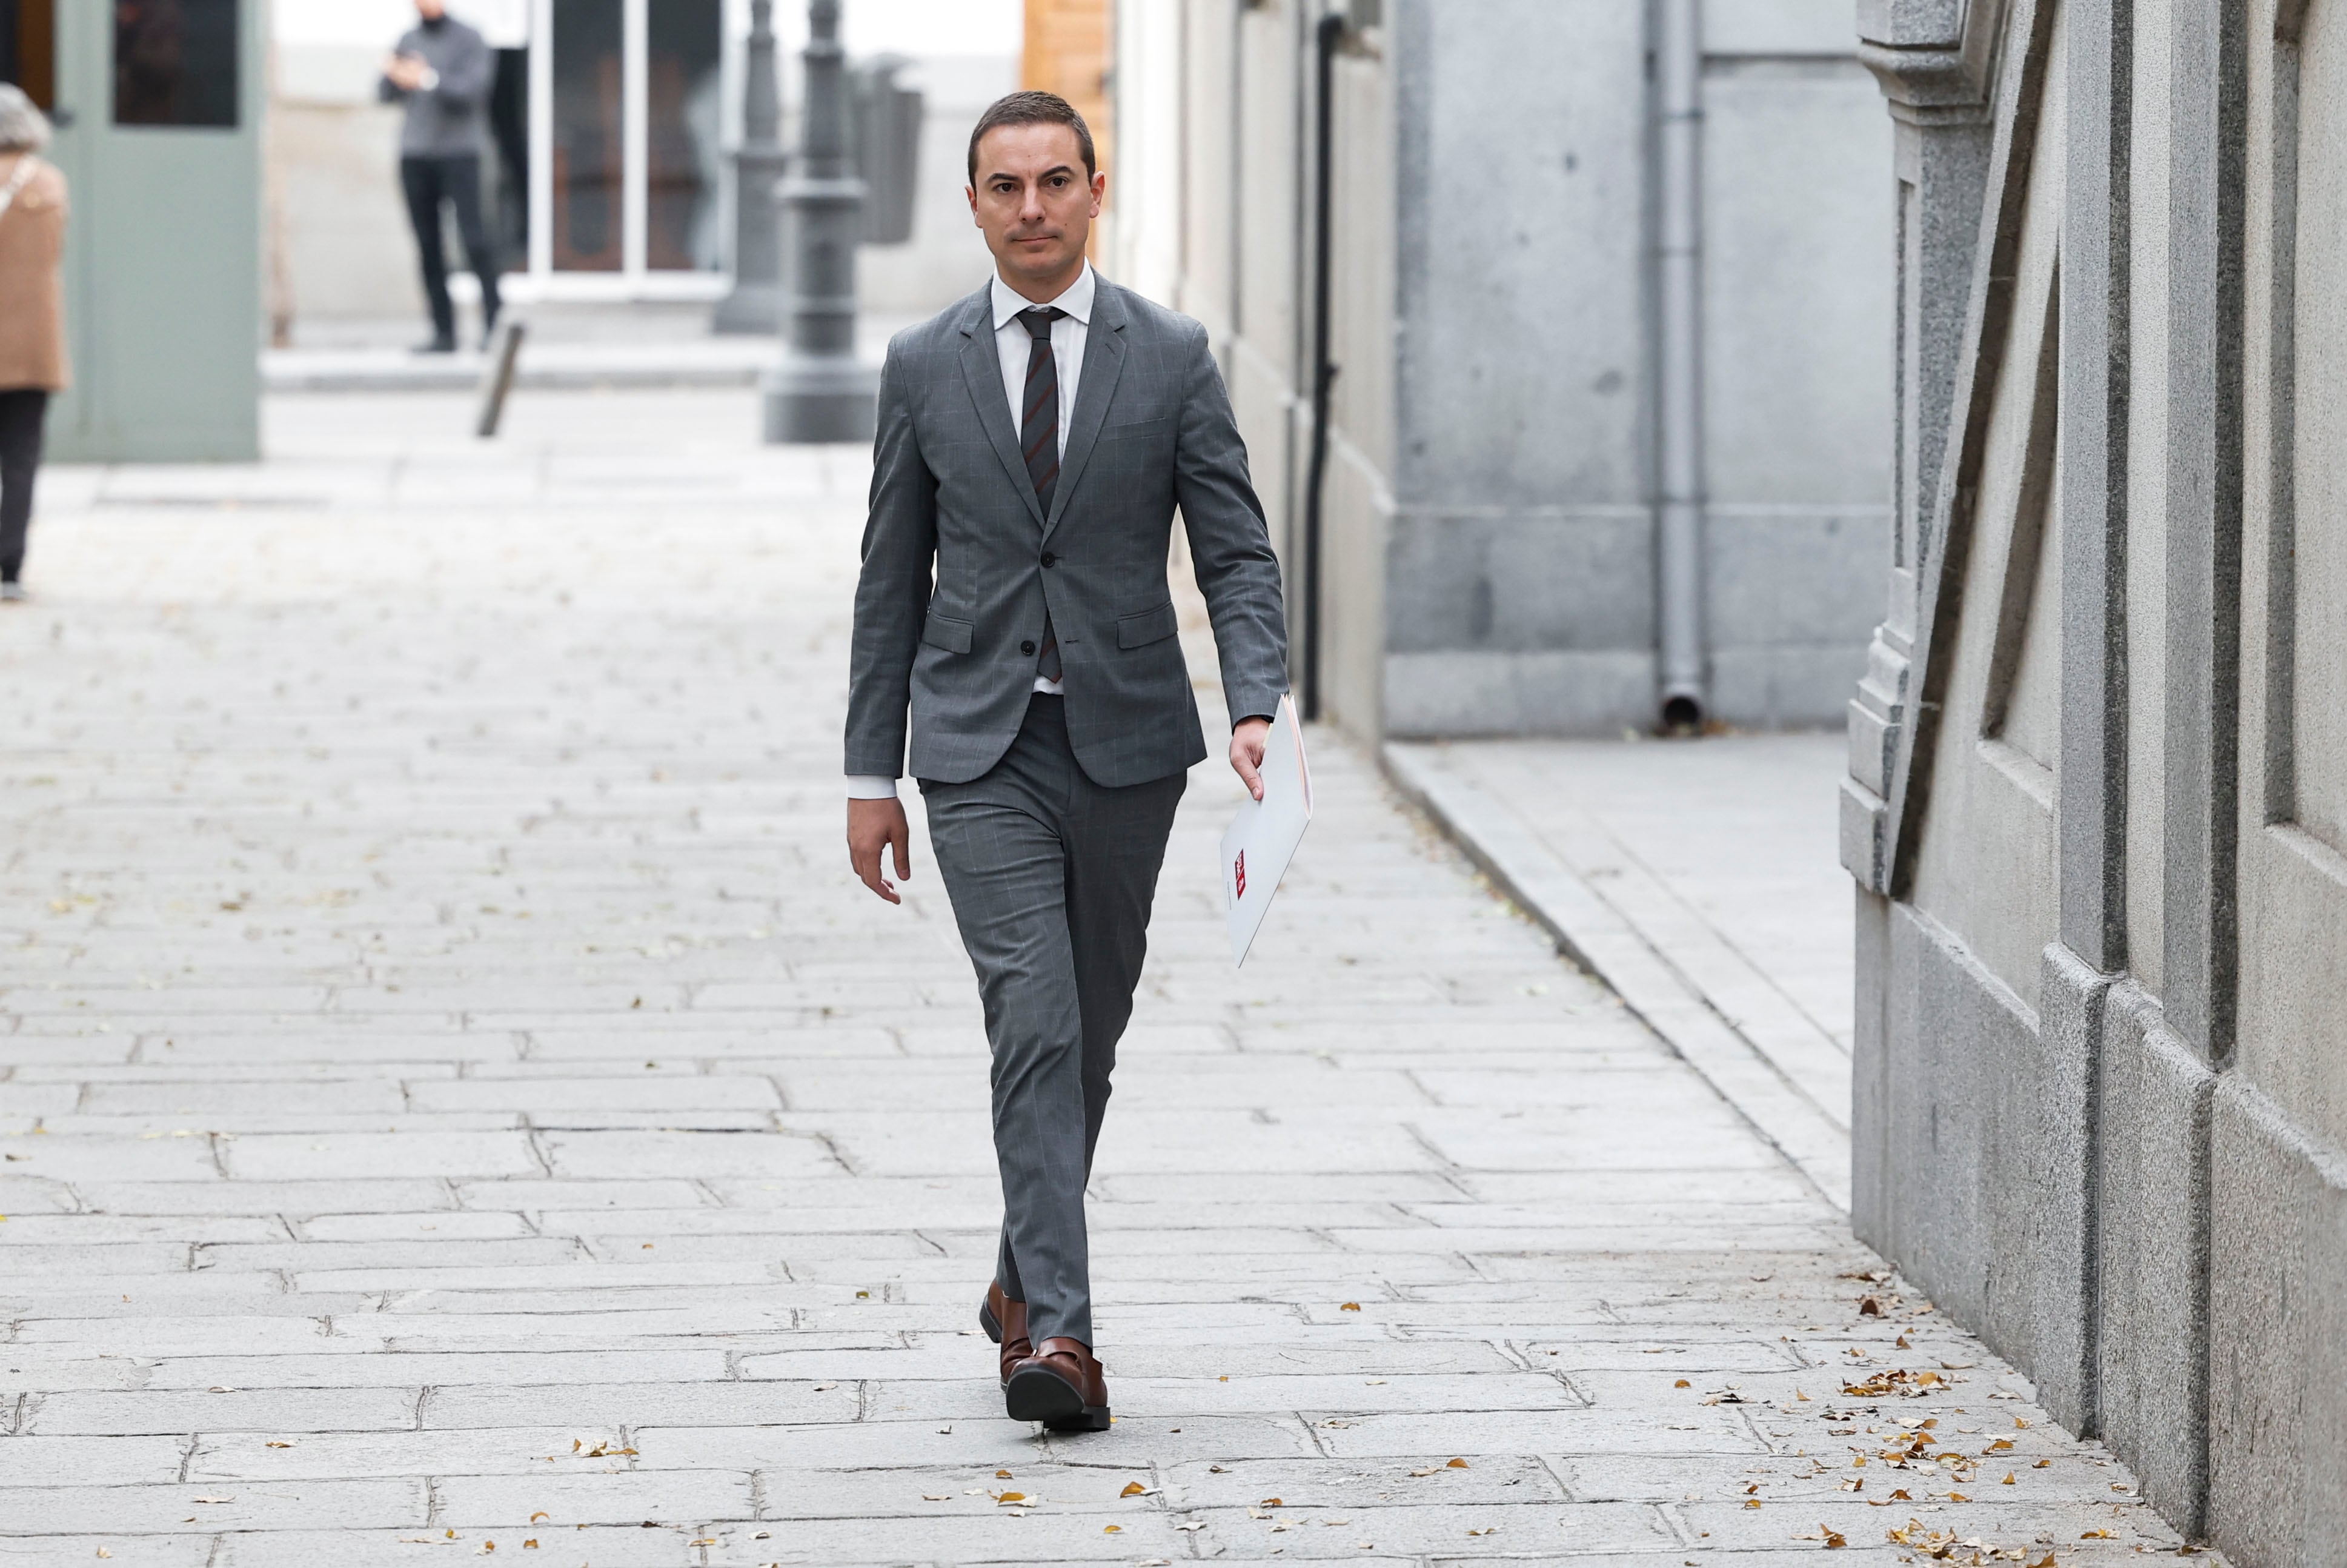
(2097, 809)
(1609, 289)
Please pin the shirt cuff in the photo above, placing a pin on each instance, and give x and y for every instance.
(870, 786)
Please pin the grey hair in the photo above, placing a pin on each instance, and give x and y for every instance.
(23, 127)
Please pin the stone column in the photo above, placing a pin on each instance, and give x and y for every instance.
(755, 305)
(822, 392)
(1937, 64)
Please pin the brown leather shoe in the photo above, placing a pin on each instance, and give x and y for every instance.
(1005, 1322)
(1060, 1386)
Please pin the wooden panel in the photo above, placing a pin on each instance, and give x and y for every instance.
(28, 48)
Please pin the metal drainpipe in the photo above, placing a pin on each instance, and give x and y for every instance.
(1328, 35)
(1680, 262)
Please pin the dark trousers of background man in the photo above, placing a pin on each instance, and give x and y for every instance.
(22, 411)
(428, 182)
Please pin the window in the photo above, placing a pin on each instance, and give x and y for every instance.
(175, 63)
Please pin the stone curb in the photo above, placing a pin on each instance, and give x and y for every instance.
(1594, 935)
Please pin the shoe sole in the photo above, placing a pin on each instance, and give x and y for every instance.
(986, 1321)
(1036, 1395)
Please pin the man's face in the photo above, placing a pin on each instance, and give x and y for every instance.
(1033, 200)
(431, 10)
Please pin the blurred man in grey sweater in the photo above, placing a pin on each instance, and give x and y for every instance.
(443, 72)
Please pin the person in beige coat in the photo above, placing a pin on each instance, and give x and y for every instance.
(32, 316)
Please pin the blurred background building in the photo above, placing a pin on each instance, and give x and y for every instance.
(159, 106)
(613, 122)
(1515, 370)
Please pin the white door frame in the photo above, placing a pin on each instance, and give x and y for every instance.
(634, 280)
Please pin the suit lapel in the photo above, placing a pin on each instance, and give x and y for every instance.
(982, 367)
(1103, 361)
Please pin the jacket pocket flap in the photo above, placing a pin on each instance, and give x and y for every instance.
(1137, 428)
(944, 631)
(1147, 626)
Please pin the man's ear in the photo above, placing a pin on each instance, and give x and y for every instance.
(1100, 189)
(971, 191)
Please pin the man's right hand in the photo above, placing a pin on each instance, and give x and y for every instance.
(874, 825)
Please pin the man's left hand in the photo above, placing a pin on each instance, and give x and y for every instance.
(1247, 739)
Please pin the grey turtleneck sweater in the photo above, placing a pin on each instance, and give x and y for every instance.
(445, 120)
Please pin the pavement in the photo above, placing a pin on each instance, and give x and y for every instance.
(1701, 881)
(456, 1104)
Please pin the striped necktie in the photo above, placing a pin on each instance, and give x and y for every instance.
(1039, 442)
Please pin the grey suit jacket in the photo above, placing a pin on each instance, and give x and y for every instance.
(955, 652)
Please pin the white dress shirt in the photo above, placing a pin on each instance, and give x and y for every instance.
(1015, 344)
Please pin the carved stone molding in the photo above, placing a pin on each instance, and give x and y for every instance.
(1935, 59)
(1938, 63)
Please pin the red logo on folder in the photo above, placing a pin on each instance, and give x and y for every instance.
(1239, 869)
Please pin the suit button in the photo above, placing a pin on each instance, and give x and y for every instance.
(1050, 559)
(1026, 647)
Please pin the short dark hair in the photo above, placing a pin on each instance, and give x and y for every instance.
(1032, 108)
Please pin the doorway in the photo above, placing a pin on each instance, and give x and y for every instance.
(626, 107)
(28, 49)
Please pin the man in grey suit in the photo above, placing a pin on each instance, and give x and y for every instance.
(1014, 616)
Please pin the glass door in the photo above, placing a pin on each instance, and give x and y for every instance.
(684, 155)
(628, 114)
(588, 159)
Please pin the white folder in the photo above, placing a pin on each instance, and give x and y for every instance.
(1261, 842)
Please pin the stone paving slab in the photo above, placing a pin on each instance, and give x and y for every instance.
(443, 1040)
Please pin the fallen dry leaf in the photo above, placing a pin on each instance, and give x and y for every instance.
(1351, 1307)
(1899, 1381)
(1869, 1306)
(541, 1513)
(1131, 1488)
(1682, 1383)
(1456, 1464)
(2094, 1535)
(1002, 1475)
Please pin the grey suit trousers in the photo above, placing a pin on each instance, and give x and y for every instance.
(1051, 877)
